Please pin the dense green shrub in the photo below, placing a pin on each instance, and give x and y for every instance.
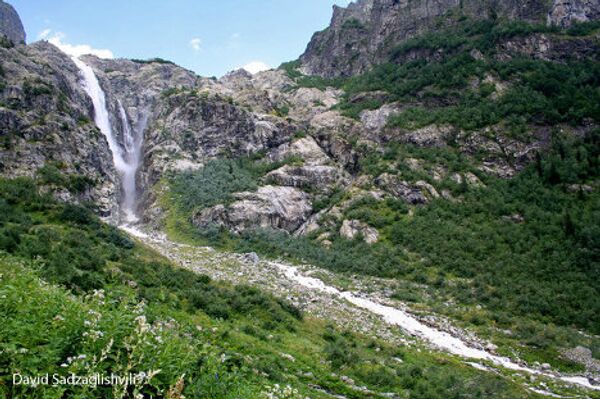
(544, 268)
(541, 91)
(43, 330)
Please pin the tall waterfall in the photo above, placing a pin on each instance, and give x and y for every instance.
(126, 156)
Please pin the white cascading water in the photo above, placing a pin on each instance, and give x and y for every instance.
(127, 157)
(412, 325)
(132, 149)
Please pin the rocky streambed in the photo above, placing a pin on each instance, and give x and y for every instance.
(364, 309)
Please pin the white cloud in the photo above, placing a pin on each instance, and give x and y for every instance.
(196, 43)
(44, 34)
(256, 66)
(57, 38)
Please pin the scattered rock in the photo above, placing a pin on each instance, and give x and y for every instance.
(352, 228)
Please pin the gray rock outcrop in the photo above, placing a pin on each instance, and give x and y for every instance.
(46, 120)
(281, 208)
(10, 24)
(354, 228)
(364, 33)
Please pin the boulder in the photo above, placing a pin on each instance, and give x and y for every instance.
(401, 189)
(281, 208)
(352, 228)
(319, 177)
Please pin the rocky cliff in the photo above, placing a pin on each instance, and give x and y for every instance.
(364, 33)
(318, 149)
(10, 24)
(46, 126)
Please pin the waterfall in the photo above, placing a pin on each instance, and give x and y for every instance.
(126, 157)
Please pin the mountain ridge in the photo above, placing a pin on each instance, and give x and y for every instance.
(363, 34)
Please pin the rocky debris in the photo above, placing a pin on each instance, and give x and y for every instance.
(239, 269)
(502, 155)
(583, 355)
(10, 24)
(282, 208)
(427, 188)
(468, 178)
(331, 131)
(580, 188)
(252, 257)
(352, 229)
(428, 136)
(364, 33)
(400, 189)
(317, 177)
(549, 48)
(309, 102)
(264, 92)
(305, 148)
(311, 224)
(376, 120)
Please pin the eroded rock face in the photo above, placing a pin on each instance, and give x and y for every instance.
(565, 12)
(305, 148)
(282, 208)
(197, 128)
(46, 119)
(363, 34)
(316, 177)
(400, 189)
(549, 48)
(10, 24)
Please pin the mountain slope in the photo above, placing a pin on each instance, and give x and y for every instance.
(365, 33)
(451, 165)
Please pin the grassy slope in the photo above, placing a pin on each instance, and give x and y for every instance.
(228, 341)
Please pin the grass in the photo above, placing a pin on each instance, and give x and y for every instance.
(115, 306)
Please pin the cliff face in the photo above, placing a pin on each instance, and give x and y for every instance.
(10, 24)
(46, 121)
(363, 34)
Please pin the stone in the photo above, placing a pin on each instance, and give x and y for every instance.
(318, 177)
(377, 119)
(282, 208)
(352, 228)
(305, 148)
(252, 257)
(401, 189)
(363, 34)
(566, 12)
(11, 26)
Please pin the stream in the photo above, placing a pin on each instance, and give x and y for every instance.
(392, 316)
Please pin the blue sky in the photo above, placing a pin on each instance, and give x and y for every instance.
(208, 37)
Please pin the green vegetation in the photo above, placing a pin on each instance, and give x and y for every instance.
(537, 91)
(353, 24)
(155, 60)
(78, 296)
(474, 252)
(217, 181)
(51, 175)
(6, 42)
(37, 88)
